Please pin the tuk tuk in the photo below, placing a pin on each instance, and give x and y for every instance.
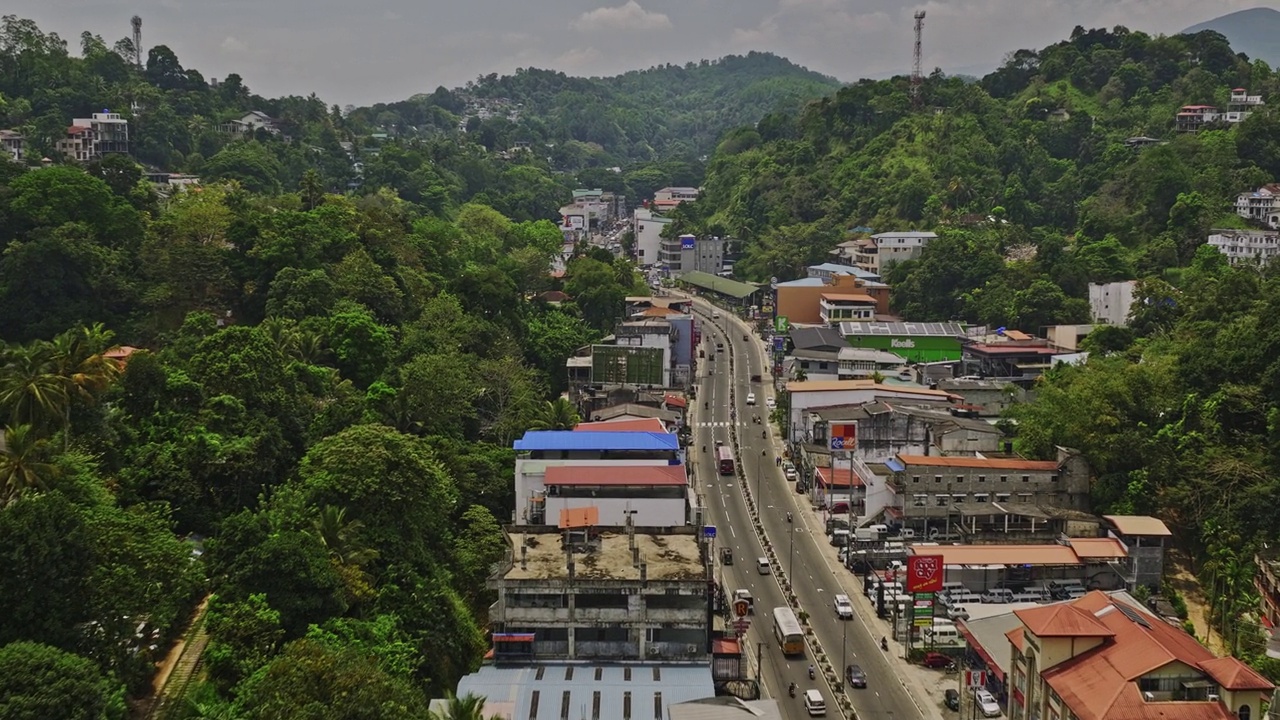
(726, 556)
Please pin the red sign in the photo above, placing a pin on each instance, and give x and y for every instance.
(924, 573)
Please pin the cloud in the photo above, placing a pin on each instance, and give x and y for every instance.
(624, 17)
(577, 59)
(233, 45)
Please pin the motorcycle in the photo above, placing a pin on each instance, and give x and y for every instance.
(791, 690)
(884, 644)
(764, 434)
(788, 517)
(812, 673)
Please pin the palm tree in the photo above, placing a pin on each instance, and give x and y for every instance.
(467, 707)
(30, 392)
(558, 414)
(23, 465)
(338, 535)
(80, 362)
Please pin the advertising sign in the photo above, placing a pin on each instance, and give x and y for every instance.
(575, 221)
(779, 343)
(844, 436)
(924, 573)
(741, 607)
(781, 324)
(975, 678)
(686, 242)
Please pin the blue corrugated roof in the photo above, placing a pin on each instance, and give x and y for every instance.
(593, 440)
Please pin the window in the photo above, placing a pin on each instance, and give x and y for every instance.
(1004, 478)
(915, 478)
(1053, 477)
(1025, 497)
(959, 497)
(1002, 497)
(937, 479)
(920, 500)
(982, 478)
(943, 500)
(1026, 478)
(981, 497)
(959, 478)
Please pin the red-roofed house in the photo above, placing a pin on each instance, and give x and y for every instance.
(653, 495)
(839, 484)
(1099, 658)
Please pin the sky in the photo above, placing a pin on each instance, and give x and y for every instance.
(386, 50)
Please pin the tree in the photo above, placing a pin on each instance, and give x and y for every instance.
(24, 464)
(47, 554)
(558, 414)
(39, 682)
(244, 636)
(479, 545)
(595, 290)
(467, 707)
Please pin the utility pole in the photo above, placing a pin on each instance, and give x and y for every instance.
(916, 78)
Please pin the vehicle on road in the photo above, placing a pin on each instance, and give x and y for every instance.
(936, 660)
(952, 699)
(751, 398)
(755, 378)
(724, 460)
(770, 403)
(814, 703)
(726, 556)
(986, 703)
(762, 566)
(744, 594)
(787, 631)
(844, 608)
(791, 474)
(855, 676)
(715, 316)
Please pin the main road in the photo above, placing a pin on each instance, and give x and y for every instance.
(801, 546)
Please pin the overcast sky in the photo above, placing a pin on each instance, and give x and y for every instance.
(385, 50)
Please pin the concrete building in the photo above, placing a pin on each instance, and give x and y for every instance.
(669, 197)
(1098, 659)
(917, 342)
(1259, 205)
(831, 300)
(886, 428)
(585, 593)
(539, 451)
(652, 496)
(809, 395)
(877, 252)
(13, 144)
(986, 398)
(940, 482)
(1110, 303)
(1241, 246)
(1145, 539)
(91, 138)
(647, 227)
(1011, 355)
(825, 271)
(691, 253)
(859, 363)
(250, 123)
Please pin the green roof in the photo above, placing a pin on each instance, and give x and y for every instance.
(724, 286)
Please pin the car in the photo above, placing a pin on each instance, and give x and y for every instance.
(952, 699)
(770, 403)
(844, 608)
(986, 703)
(854, 675)
(936, 660)
(715, 315)
(726, 556)
(957, 612)
(751, 398)
(791, 474)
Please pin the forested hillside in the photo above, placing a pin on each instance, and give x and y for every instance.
(1180, 412)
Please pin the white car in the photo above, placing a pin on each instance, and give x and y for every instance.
(957, 612)
(771, 403)
(986, 703)
(844, 608)
(751, 398)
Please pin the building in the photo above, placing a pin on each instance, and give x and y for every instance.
(89, 139)
(857, 363)
(725, 708)
(917, 342)
(941, 482)
(688, 253)
(814, 354)
(1242, 105)
(875, 253)
(653, 496)
(1009, 354)
(647, 227)
(1096, 658)
(1259, 205)
(730, 291)
(1191, 118)
(539, 451)
(831, 300)
(1145, 539)
(250, 123)
(577, 691)
(580, 592)
(12, 143)
(1267, 583)
(885, 428)
(669, 197)
(984, 397)
(1110, 303)
(825, 271)
(1241, 246)
(806, 396)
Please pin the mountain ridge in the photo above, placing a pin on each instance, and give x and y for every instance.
(1254, 32)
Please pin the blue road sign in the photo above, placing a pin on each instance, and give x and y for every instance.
(709, 531)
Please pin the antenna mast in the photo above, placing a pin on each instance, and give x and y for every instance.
(916, 78)
(137, 40)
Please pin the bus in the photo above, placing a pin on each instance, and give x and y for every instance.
(787, 630)
(724, 460)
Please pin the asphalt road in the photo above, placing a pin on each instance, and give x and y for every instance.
(800, 546)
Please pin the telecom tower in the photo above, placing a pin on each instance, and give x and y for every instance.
(916, 78)
(137, 40)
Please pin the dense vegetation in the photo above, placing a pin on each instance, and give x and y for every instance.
(1179, 412)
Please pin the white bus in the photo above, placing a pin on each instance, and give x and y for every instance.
(786, 628)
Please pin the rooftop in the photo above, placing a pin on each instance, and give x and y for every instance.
(838, 269)
(933, 329)
(625, 425)
(848, 297)
(1000, 554)
(1138, 525)
(613, 474)
(806, 338)
(594, 440)
(883, 357)
(804, 386)
(726, 707)
(667, 556)
(838, 477)
(1098, 548)
(543, 691)
(1062, 620)
(978, 463)
(723, 286)
(905, 234)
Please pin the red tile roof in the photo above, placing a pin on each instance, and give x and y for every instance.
(838, 477)
(613, 474)
(1098, 547)
(1232, 674)
(980, 463)
(726, 646)
(1015, 638)
(1062, 620)
(627, 425)
(675, 401)
(1138, 525)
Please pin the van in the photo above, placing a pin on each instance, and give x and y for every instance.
(840, 538)
(941, 634)
(881, 530)
(1040, 590)
(814, 703)
(762, 566)
(1025, 596)
(998, 595)
(951, 587)
(963, 597)
(907, 534)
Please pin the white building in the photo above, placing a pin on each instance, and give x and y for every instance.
(1109, 303)
(11, 144)
(875, 253)
(669, 197)
(653, 496)
(647, 226)
(1260, 205)
(92, 137)
(1246, 245)
(808, 395)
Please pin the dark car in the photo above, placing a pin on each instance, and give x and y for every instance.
(726, 556)
(855, 676)
(952, 699)
(935, 660)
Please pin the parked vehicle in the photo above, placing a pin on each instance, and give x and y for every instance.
(840, 538)
(936, 660)
(952, 699)
(770, 403)
(957, 612)
(986, 703)
(755, 378)
(998, 595)
(836, 523)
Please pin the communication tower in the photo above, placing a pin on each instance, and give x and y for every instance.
(137, 40)
(916, 78)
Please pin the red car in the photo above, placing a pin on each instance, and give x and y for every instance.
(936, 660)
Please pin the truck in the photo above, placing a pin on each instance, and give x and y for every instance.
(865, 535)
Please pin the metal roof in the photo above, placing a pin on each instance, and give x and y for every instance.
(905, 234)
(726, 707)
(547, 691)
(595, 440)
(723, 286)
(940, 329)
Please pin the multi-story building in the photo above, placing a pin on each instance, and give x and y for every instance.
(1191, 118)
(1110, 303)
(669, 197)
(1267, 583)
(1241, 246)
(647, 227)
(929, 481)
(875, 253)
(583, 591)
(12, 143)
(90, 138)
(1242, 105)
(1097, 658)
(1011, 354)
(914, 427)
(1259, 205)
(1144, 538)
(918, 342)
(690, 253)
(830, 300)
(809, 395)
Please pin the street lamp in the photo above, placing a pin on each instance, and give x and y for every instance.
(791, 551)
(758, 498)
(844, 648)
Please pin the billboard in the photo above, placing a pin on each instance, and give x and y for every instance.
(781, 324)
(924, 573)
(686, 242)
(574, 221)
(844, 436)
(626, 365)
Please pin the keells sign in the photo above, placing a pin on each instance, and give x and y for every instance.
(924, 573)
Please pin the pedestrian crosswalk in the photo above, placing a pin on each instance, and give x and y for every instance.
(722, 424)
